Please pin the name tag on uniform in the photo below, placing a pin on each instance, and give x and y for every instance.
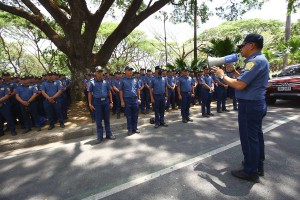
(102, 99)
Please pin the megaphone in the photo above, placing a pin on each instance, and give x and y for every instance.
(218, 61)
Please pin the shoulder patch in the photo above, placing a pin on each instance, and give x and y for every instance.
(249, 66)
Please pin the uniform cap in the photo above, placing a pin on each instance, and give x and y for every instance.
(99, 69)
(157, 68)
(255, 38)
(128, 68)
(5, 74)
(204, 67)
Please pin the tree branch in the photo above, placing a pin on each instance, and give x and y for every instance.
(39, 22)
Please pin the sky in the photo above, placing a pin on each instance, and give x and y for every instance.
(273, 9)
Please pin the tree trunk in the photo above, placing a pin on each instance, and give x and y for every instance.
(287, 37)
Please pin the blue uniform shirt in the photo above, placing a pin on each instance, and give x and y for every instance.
(3, 92)
(148, 80)
(144, 79)
(140, 81)
(51, 88)
(159, 85)
(26, 92)
(185, 83)
(10, 86)
(129, 87)
(206, 79)
(100, 88)
(256, 75)
(171, 81)
(117, 83)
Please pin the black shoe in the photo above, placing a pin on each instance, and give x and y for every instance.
(13, 133)
(62, 125)
(235, 109)
(51, 127)
(205, 115)
(26, 131)
(136, 131)
(147, 111)
(38, 129)
(226, 110)
(210, 114)
(113, 113)
(1, 134)
(93, 121)
(143, 112)
(118, 117)
(219, 111)
(189, 119)
(129, 133)
(184, 121)
(156, 126)
(164, 125)
(112, 137)
(98, 141)
(242, 175)
(168, 110)
(260, 170)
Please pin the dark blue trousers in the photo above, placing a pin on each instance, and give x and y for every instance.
(5, 114)
(206, 100)
(185, 104)
(159, 108)
(102, 112)
(145, 102)
(221, 98)
(171, 98)
(251, 114)
(131, 112)
(29, 113)
(52, 109)
(118, 103)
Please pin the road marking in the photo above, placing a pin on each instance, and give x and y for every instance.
(183, 164)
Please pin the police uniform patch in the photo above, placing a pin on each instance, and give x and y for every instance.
(54, 83)
(249, 66)
(2, 88)
(30, 87)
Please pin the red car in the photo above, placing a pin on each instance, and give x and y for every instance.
(285, 85)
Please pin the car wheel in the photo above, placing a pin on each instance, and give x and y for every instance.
(271, 101)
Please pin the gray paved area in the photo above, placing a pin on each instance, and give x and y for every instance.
(77, 169)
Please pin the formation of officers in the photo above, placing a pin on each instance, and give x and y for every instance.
(164, 89)
(28, 101)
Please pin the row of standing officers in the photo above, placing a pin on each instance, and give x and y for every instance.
(134, 90)
(31, 100)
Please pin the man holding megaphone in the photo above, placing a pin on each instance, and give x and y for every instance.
(250, 88)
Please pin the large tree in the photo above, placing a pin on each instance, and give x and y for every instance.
(73, 27)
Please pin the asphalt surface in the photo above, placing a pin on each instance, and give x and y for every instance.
(182, 161)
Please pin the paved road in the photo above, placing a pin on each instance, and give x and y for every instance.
(183, 161)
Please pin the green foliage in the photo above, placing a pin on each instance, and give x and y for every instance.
(220, 47)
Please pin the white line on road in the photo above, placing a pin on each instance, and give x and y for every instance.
(186, 163)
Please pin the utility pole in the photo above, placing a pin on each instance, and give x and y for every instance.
(195, 30)
(165, 15)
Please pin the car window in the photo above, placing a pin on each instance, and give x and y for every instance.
(290, 70)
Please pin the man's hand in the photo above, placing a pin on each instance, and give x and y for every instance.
(152, 100)
(92, 107)
(180, 97)
(216, 70)
(111, 105)
(122, 104)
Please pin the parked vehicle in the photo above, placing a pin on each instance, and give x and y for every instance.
(285, 85)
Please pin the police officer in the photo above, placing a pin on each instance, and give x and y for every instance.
(26, 95)
(185, 93)
(14, 105)
(159, 95)
(5, 111)
(221, 88)
(171, 90)
(116, 87)
(100, 101)
(130, 96)
(250, 88)
(147, 90)
(206, 92)
(199, 86)
(51, 90)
